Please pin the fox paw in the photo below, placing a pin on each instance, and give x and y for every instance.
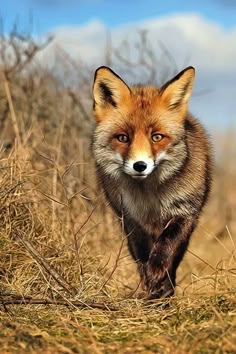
(162, 292)
(158, 282)
(156, 273)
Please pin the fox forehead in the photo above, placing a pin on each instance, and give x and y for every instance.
(145, 97)
(143, 105)
(144, 112)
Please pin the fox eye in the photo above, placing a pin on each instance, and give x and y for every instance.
(157, 137)
(122, 138)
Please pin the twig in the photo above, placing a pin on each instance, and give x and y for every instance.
(12, 110)
(30, 301)
(42, 261)
(198, 257)
(77, 102)
(115, 265)
(53, 198)
(87, 219)
(12, 189)
(117, 257)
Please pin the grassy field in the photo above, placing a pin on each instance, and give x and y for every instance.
(67, 282)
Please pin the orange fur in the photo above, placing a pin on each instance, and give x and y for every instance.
(144, 109)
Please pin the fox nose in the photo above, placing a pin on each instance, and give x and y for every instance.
(140, 166)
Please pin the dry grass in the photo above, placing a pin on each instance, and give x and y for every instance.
(67, 282)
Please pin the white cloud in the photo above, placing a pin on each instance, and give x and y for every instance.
(209, 48)
(84, 41)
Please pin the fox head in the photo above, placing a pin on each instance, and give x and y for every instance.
(140, 129)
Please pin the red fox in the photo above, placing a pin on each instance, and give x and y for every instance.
(154, 164)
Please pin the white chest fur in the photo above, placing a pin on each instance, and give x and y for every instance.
(151, 206)
(142, 204)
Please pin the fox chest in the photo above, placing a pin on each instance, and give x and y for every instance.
(144, 207)
(151, 207)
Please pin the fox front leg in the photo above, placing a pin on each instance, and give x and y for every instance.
(165, 256)
(140, 245)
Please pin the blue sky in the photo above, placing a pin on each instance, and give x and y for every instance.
(203, 32)
(50, 14)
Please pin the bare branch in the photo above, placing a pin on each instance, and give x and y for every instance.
(42, 261)
(58, 302)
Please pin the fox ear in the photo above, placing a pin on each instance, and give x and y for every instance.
(109, 91)
(176, 92)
